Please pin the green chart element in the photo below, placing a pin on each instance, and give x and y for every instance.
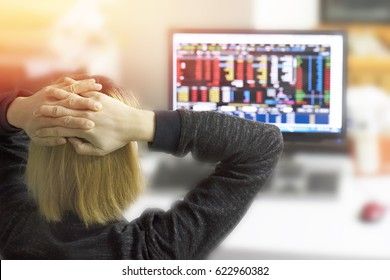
(327, 91)
(299, 93)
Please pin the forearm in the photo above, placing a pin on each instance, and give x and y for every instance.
(143, 126)
(212, 136)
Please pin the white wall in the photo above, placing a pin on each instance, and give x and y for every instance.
(286, 14)
(144, 26)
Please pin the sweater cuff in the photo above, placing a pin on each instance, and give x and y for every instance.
(167, 135)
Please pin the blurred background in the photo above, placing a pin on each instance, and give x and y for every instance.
(337, 213)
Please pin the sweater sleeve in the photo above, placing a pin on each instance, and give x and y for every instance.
(167, 134)
(245, 152)
(13, 156)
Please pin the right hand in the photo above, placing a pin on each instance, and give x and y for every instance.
(116, 125)
(22, 112)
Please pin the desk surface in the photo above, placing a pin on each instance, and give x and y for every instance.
(303, 228)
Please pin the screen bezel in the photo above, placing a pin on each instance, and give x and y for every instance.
(288, 136)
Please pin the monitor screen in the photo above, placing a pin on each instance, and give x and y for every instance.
(293, 79)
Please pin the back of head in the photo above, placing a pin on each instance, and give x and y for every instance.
(95, 188)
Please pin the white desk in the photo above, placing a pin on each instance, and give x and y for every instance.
(306, 227)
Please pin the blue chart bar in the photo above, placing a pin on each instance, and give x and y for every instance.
(310, 74)
(284, 118)
(320, 71)
(271, 102)
(272, 118)
(261, 117)
(302, 118)
(247, 96)
(251, 117)
(312, 98)
(322, 119)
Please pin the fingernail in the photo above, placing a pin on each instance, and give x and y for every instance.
(98, 106)
(90, 124)
(61, 141)
(98, 86)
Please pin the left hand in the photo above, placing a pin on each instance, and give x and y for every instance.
(22, 111)
(116, 125)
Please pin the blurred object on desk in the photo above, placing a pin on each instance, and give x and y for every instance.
(369, 56)
(347, 11)
(372, 212)
(369, 129)
(368, 53)
(366, 43)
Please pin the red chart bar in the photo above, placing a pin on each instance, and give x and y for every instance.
(194, 94)
(249, 71)
(216, 72)
(203, 94)
(198, 68)
(207, 69)
(327, 79)
(179, 71)
(240, 69)
(299, 79)
(259, 97)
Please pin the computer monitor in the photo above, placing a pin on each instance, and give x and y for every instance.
(293, 79)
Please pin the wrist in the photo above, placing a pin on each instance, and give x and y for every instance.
(148, 125)
(142, 126)
(15, 112)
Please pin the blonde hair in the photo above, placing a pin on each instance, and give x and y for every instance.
(97, 189)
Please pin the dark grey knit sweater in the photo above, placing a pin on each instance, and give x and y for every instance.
(245, 153)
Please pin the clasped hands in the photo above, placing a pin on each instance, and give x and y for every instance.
(75, 111)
